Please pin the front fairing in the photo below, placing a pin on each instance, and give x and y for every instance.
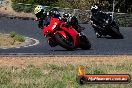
(62, 28)
(51, 27)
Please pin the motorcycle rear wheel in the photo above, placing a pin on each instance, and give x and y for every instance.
(84, 43)
(63, 42)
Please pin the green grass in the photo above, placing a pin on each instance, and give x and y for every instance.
(58, 76)
(12, 34)
(17, 37)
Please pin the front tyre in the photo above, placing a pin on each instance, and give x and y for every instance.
(51, 42)
(84, 43)
(116, 33)
(64, 42)
(98, 35)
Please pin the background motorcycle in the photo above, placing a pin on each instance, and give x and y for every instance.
(63, 34)
(106, 26)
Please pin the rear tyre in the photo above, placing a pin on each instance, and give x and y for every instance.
(63, 42)
(84, 43)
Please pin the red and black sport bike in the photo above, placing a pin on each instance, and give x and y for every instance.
(61, 33)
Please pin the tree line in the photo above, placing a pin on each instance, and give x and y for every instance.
(106, 5)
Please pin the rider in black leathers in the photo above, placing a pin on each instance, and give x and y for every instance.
(97, 19)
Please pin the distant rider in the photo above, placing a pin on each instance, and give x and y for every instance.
(97, 18)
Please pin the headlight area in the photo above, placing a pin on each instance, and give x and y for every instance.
(54, 26)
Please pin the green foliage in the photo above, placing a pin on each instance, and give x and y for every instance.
(22, 7)
(17, 7)
(42, 2)
(30, 1)
(28, 9)
(19, 38)
(12, 34)
(106, 5)
(124, 20)
(62, 3)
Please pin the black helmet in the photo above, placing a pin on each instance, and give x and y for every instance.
(54, 12)
(65, 15)
(94, 9)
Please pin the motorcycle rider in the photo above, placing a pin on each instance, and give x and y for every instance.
(44, 17)
(97, 18)
(41, 16)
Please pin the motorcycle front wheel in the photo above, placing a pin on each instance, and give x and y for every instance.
(116, 33)
(66, 43)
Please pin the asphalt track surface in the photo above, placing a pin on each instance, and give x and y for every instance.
(102, 46)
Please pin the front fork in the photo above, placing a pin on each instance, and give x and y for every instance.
(51, 41)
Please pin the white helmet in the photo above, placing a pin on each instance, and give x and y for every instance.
(38, 9)
(94, 9)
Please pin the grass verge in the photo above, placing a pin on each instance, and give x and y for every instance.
(59, 72)
(11, 40)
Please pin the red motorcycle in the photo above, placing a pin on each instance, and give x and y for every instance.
(63, 34)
